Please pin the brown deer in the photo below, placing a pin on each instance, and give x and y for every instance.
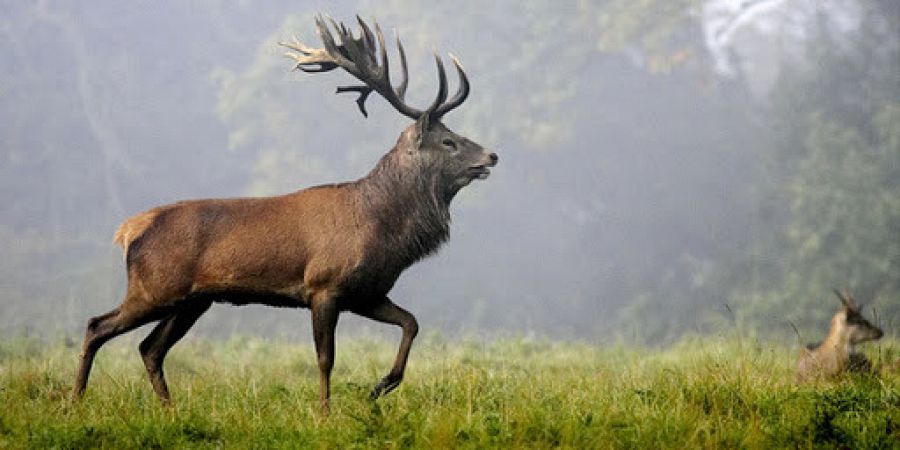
(836, 354)
(331, 248)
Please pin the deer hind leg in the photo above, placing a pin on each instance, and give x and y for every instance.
(101, 329)
(166, 334)
(387, 312)
(324, 321)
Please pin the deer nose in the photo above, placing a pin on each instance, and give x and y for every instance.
(494, 158)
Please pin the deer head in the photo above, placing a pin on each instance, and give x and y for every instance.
(427, 144)
(850, 318)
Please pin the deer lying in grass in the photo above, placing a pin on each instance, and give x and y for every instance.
(835, 355)
(332, 248)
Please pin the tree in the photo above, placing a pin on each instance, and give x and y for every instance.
(837, 173)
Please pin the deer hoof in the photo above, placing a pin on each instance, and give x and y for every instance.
(387, 384)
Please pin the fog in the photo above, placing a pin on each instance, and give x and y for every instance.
(665, 168)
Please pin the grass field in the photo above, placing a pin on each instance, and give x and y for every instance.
(514, 393)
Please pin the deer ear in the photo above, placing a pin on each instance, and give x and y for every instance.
(422, 125)
(845, 298)
(840, 296)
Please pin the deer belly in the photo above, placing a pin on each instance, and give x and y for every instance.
(261, 281)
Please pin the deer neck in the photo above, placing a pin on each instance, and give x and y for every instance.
(408, 208)
(837, 345)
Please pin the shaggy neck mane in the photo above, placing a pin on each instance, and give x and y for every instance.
(409, 207)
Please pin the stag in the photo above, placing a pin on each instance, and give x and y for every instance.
(836, 354)
(330, 248)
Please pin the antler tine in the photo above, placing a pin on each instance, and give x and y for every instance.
(442, 87)
(400, 90)
(296, 45)
(306, 56)
(461, 94)
(385, 67)
(361, 52)
(379, 74)
(356, 55)
(368, 40)
(327, 38)
(363, 91)
(359, 57)
(316, 59)
(341, 29)
(332, 46)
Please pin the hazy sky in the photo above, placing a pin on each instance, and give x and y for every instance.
(620, 185)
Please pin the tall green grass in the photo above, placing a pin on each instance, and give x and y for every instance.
(513, 393)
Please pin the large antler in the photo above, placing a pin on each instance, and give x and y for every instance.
(358, 57)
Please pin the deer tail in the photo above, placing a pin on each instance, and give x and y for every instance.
(133, 227)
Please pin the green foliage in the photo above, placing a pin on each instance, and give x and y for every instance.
(845, 204)
(702, 393)
(661, 31)
(282, 134)
(836, 164)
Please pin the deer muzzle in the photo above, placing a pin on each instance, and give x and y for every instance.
(482, 171)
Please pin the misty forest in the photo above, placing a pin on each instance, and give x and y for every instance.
(668, 167)
(682, 188)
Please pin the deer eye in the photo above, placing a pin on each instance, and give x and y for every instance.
(449, 144)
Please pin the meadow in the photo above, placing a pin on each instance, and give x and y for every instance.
(505, 393)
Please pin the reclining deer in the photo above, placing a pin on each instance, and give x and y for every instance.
(836, 354)
(330, 248)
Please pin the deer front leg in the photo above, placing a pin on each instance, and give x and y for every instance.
(324, 321)
(386, 311)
